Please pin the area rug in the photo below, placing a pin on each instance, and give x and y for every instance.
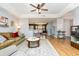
(45, 49)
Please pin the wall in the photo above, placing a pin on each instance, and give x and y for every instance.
(76, 16)
(24, 25)
(68, 22)
(49, 28)
(60, 23)
(10, 17)
(64, 23)
(67, 25)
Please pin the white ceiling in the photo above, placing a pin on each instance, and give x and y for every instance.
(53, 8)
(23, 10)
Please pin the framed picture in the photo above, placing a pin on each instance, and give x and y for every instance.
(3, 21)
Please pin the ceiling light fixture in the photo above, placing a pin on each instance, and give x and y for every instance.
(38, 8)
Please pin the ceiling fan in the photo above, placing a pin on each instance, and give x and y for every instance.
(38, 8)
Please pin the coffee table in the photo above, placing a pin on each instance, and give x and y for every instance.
(33, 42)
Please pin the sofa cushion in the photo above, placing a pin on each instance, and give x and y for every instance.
(17, 38)
(5, 37)
(18, 42)
(14, 35)
(6, 43)
(8, 35)
(2, 39)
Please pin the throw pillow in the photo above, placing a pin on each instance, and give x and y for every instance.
(5, 37)
(14, 35)
(2, 39)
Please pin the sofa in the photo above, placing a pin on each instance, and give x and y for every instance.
(8, 51)
(11, 41)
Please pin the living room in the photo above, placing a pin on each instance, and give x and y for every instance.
(21, 21)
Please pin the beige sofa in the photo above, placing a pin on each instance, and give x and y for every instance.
(8, 51)
(8, 47)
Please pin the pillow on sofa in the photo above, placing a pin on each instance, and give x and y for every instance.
(5, 37)
(2, 39)
(8, 35)
(14, 35)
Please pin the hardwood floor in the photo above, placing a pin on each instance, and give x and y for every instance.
(63, 47)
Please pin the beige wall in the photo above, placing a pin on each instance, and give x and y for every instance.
(64, 23)
(67, 25)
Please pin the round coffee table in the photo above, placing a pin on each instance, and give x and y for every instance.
(32, 41)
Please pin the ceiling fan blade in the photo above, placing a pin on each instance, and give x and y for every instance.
(44, 9)
(42, 4)
(33, 5)
(38, 6)
(33, 10)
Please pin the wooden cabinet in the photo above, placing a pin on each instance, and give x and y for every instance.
(75, 36)
(76, 45)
